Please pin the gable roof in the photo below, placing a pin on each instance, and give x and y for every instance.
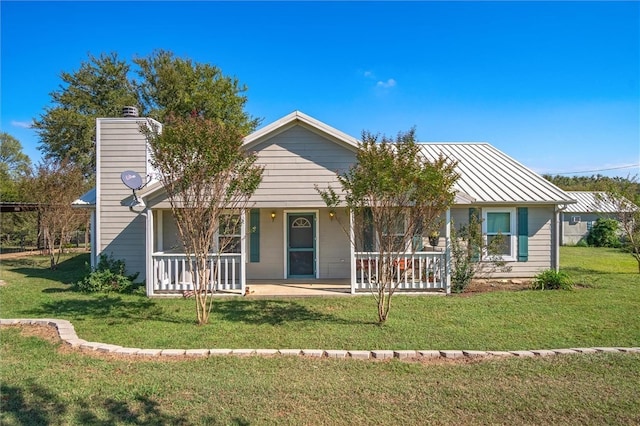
(593, 202)
(299, 118)
(490, 176)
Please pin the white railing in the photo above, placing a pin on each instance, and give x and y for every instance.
(171, 272)
(411, 271)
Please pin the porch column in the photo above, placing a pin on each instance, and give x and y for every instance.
(243, 251)
(447, 256)
(352, 242)
(150, 276)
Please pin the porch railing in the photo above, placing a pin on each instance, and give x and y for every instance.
(171, 272)
(411, 271)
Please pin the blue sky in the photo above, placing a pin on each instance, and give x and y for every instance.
(553, 84)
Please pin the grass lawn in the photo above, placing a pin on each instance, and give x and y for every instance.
(44, 382)
(601, 312)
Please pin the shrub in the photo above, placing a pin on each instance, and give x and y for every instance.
(605, 233)
(108, 277)
(552, 280)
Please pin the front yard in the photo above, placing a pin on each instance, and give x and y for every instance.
(43, 382)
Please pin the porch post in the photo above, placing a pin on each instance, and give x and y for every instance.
(243, 251)
(447, 256)
(150, 276)
(353, 252)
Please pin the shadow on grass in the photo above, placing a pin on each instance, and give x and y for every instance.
(105, 306)
(68, 271)
(273, 312)
(33, 404)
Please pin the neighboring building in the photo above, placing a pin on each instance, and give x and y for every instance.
(579, 218)
(299, 152)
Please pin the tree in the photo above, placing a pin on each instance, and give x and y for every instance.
(102, 86)
(14, 166)
(99, 88)
(625, 198)
(209, 179)
(395, 194)
(473, 255)
(180, 87)
(54, 186)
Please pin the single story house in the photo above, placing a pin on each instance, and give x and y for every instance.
(288, 233)
(578, 218)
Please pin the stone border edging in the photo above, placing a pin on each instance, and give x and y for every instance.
(68, 335)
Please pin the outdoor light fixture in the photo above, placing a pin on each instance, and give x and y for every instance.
(273, 216)
(332, 214)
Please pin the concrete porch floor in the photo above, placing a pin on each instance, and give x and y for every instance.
(299, 287)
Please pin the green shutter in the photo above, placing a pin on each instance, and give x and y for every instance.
(475, 213)
(367, 242)
(523, 234)
(254, 239)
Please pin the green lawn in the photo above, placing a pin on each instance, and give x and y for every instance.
(44, 383)
(602, 311)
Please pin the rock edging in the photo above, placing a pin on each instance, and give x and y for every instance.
(68, 335)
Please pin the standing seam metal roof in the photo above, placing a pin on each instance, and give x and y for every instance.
(492, 177)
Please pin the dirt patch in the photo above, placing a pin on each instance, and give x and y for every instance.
(485, 286)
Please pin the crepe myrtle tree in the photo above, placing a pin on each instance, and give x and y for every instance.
(396, 195)
(209, 179)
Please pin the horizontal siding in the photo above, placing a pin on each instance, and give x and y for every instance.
(540, 241)
(122, 232)
(295, 161)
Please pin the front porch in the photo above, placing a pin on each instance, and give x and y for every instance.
(413, 272)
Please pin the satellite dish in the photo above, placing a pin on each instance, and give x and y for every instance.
(131, 179)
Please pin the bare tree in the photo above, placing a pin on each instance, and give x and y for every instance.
(396, 195)
(54, 186)
(209, 179)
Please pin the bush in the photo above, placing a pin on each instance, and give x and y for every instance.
(552, 280)
(108, 277)
(605, 233)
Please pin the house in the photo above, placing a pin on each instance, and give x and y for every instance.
(289, 234)
(578, 218)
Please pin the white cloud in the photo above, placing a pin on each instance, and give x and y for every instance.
(386, 84)
(369, 74)
(21, 124)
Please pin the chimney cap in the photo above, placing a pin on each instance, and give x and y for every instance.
(129, 111)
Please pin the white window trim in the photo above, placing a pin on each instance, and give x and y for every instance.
(513, 236)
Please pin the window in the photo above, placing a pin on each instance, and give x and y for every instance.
(229, 236)
(393, 237)
(501, 222)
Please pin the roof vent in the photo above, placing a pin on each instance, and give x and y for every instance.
(129, 111)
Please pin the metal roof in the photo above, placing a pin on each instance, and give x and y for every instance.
(591, 202)
(491, 177)
(88, 199)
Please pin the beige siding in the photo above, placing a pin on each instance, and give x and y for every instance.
(271, 265)
(122, 231)
(333, 244)
(540, 241)
(295, 161)
(332, 247)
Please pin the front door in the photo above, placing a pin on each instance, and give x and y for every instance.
(301, 245)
